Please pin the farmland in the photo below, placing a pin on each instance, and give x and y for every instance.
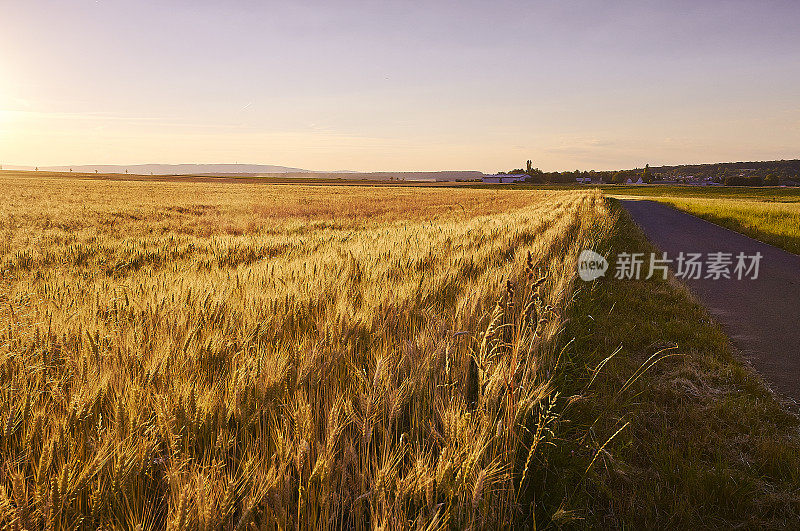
(179, 355)
(222, 356)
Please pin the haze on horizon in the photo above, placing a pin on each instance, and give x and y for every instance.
(374, 86)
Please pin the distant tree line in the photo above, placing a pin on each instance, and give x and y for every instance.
(739, 173)
(771, 179)
(766, 173)
(535, 175)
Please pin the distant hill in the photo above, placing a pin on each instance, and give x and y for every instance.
(788, 168)
(173, 169)
(255, 170)
(756, 173)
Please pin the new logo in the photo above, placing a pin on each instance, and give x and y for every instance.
(591, 265)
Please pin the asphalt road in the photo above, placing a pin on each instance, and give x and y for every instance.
(761, 316)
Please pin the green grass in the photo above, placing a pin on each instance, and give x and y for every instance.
(709, 446)
(746, 193)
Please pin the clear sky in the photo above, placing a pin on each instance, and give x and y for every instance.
(379, 85)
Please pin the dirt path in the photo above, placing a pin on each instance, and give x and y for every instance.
(761, 316)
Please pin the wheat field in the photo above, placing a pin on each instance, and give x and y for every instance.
(203, 356)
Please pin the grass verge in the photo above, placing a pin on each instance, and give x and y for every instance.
(708, 444)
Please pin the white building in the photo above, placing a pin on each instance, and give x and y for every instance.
(504, 179)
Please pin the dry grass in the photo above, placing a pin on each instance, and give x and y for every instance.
(216, 356)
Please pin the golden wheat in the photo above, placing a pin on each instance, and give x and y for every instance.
(209, 356)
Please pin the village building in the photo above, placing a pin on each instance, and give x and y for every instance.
(504, 179)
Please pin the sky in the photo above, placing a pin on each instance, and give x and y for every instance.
(401, 85)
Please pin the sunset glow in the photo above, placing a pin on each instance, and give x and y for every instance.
(413, 86)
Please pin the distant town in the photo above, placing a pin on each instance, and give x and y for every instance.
(762, 173)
